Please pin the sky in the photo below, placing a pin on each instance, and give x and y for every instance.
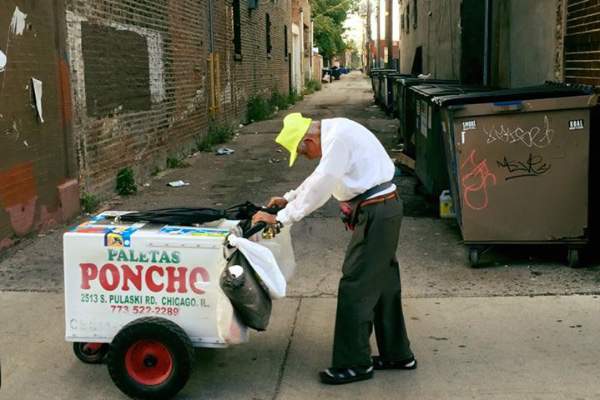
(355, 24)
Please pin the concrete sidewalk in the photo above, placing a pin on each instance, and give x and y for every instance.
(468, 348)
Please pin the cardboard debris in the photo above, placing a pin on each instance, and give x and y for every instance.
(401, 158)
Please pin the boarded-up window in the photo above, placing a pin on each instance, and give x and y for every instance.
(117, 72)
(582, 42)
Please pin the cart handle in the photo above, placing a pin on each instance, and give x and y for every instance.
(255, 229)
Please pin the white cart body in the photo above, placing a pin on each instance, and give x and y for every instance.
(117, 272)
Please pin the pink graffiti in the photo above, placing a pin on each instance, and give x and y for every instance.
(475, 182)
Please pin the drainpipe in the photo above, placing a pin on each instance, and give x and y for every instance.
(212, 59)
(487, 44)
(211, 32)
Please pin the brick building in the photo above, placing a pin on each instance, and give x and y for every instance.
(126, 83)
(148, 80)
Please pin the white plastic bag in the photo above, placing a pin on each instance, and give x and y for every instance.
(264, 264)
(282, 249)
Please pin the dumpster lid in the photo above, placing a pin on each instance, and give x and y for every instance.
(436, 90)
(378, 72)
(526, 93)
(383, 71)
(396, 75)
(413, 81)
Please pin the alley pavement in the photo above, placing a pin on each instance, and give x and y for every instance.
(523, 326)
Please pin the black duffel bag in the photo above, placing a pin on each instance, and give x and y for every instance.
(249, 298)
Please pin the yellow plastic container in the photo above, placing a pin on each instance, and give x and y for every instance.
(446, 205)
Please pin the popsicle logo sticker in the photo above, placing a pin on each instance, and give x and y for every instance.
(114, 240)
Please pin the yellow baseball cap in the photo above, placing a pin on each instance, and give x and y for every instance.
(295, 127)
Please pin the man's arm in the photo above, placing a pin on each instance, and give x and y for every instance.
(317, 188)
(312, 194)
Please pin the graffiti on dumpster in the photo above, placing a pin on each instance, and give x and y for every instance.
(532, 167)
(475, 181)
(538, 137)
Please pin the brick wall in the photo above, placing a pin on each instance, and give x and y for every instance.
(582, 42)
(148, 76)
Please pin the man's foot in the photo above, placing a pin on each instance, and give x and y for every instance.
(339, 376)
(379, 363)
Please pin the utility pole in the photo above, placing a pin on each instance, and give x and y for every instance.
(389, 33)
(379, 49)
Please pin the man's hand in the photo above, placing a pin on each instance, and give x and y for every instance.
(262, 216)
(277, 202)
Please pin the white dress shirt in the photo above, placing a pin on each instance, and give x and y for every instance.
(352, 162)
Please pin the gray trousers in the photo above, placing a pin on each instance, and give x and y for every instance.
(369, 291)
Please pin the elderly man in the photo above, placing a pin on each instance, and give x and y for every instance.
(357, 171)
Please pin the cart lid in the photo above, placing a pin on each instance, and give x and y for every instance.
(508, 95)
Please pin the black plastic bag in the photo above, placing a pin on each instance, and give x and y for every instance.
(248, 297)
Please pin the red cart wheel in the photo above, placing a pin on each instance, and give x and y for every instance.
(150, 358)
(149, 362)
(90, 353)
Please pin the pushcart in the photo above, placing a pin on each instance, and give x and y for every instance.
(140, 296)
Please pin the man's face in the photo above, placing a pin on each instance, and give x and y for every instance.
(310, 146)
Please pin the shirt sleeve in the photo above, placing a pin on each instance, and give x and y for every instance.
(318, 187)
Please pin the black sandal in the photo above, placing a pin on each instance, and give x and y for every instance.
(379, 363)
(340, 376)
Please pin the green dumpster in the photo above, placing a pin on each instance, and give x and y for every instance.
(430, 158)
(519, 165)
(379, 82)
(406, 108)
(389, 103)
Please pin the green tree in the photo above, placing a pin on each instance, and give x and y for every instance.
(329, 17)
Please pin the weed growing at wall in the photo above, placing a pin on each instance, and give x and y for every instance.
(278, 101)
(294, 97)
(89, 203)
(217, 134)
(126, 182)
(155, 171)
(259, 109)
(173, 162)
(312, 86)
